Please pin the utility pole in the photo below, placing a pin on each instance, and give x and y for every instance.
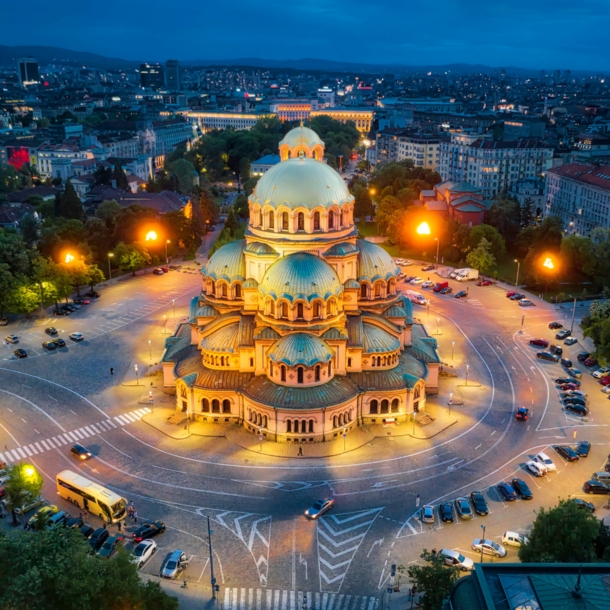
(573, 314)
(215, 587)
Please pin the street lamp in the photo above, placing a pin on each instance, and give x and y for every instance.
(450, 401)
(110, 255)
(438, 326)
(483, 528)
(452, 346)
(438, 245)
(423, 229)
(260, 437)
(549, 267)
(167, 241)
(518, 268)
(135, 368)
(164, 323)
(69, 258)
(467, 367)
(150, 348)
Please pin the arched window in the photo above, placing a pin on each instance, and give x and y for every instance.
(282, 373)
(343, 218)
(385, 360)
(363, 291)
(300, 221)
(237, 290)
(349, 362)
(417, 392)
(317, 310)
(392, 286)
(226, 406)
(331, 220)
(378, 360)
(316, 221)
(334, 421)
(395, 404)
(377, 290)
(317, 372)
(385, 406)
(284, 221)
(311, 425)
(289, 425)
(332, 306)
(341, 419)
(222, 361)
(303, 426)
(249, 414)
(265, 421)
(299, 311)
(283, 310)
(271, 220)
(223, 291)
(215, 406)
(350, 415)
(205, 405)
(300, 375)
(212, 287)
(373, 407)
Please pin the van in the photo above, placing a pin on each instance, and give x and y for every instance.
(514, 539)
(175, 564)
(456, 272)
(439, 286)
(415, 297)
(604, 477)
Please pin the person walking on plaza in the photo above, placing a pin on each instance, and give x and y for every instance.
(301, 451)
(135, 516)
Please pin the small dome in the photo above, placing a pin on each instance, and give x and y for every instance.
(222, 340)
(301, 136)
(300, 348)
(300, 276)
(374, 263)
(257, 247)
(378, 341)
(342, 249)
(227, 263)
(301, 183)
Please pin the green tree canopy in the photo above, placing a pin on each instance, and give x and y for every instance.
(119, 176)
(108, 210)
(363, 204)
(434, 579)
(68, 204)
(131, 257)
(481, 258)
(493, 237)
(23, 483)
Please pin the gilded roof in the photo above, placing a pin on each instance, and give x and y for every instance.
(223, 340)
(300, 348)
(227, 262)
(378, 341)
(374, 263)
(256, 247)
(301, 183)
(341, 249)
(300, 276)
(301, 136)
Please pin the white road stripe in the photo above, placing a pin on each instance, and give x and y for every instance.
(92, 430)
(59, 440)
(242, 600)
(112, 424)
(79, 434)
(26, 449)
(129, 417)
(44, 444)
(140, 413)
(39, 447)
(73, 437)
(3, 458)
(120, 419)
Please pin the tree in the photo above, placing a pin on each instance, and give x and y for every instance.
(186, 173)
(504, 216)
(68, 204)
(120, 178)
(44, 273)
(526, 212)
(54, 570)
(231, 223)
(209, 210)
(29, 228)
(363, 204)
(492, 235)
(13, 251)
(94, 276)
(562, 534)
(434, 580)
(23, 483)
(131, 257)
(108, 210)
(480, 258)
(7, 284)
(25, 296)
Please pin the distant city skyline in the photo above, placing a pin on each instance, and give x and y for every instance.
(548, 34)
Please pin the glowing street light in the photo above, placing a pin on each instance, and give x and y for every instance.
(548, 263)
(167, 241)
(151, 236)
(29, 471)
(423, 229)
(110, 255)
(69, 258)
(135, 368)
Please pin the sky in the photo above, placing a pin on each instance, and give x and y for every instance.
(539, 34)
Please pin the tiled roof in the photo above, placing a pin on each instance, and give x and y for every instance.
(374, 262)
(178, 346)
(300, 348)
(334, 333)
(378, 341)
(39, 191)
(397, 378)
(594, 175)
(341, 249)
(247, 325)
(266, 333)
(227, 262)
(422, 346)
(267, 160)
(354, 331)
(222, 340)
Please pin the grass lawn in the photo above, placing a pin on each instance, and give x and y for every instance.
(367, 229)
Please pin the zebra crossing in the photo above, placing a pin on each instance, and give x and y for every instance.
(268, 599)
(69, 438)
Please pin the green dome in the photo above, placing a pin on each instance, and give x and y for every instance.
(300, 348)
(301, 183)
(222, 340)
(342, 249)
(378, 341)
(374, 263)
(227, 263)
(257, 247)
(300, 276)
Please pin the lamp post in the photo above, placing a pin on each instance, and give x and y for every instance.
(549, 266)
(110, 255)
(573, 314)
(150, 349)
(467, 367)
(135, 368)
(167, 241)
(450, 401)
(215, 587)
(483, 528)
(164, 323)
(452, 347)
(344, 437)
(438, 244)
(260, 437)
(518, 268)
(438, 326)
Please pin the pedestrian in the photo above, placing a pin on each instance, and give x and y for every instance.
(300, 451)
(433, 552)
(111, 371)
(105, 525)
(135, 516)
(85, 513)
(118, 526)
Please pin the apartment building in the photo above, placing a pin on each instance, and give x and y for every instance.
(579, 193)
(489, 165)
(396, 144)
(56, 160)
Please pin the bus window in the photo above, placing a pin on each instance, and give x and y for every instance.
(105, 510)
(119, 510)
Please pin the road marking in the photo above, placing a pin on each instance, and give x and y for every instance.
(478, 446)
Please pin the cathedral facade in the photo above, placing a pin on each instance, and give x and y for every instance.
(301, 332)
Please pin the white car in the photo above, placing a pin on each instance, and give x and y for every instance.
(536, 468)
(143, 552)
(453, 558)
(12, 339)
(407, 263)
(427, 284)
(601, 372)
(546, 461)
(514, 539)
(30, 504)
(525, 303)
(76, 336)
(416, 280)
(488, 547)
(606, 389)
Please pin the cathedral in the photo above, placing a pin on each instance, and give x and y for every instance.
(301, 332)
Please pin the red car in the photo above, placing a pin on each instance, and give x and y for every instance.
(2, 492)
(522, 413)
(569, 386)
(485, 283)
(590, 362)
(605, 380)
(511, 293)
(539, 342)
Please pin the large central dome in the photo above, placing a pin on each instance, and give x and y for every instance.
(301, 182)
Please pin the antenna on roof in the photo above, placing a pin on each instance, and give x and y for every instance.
(576, 594)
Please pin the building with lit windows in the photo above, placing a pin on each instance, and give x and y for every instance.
(207, 121)
(395, 144)
(361, 117)
(301, 332)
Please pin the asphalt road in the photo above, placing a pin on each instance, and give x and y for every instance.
(264, 548)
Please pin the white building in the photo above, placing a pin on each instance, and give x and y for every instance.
(489, 165)
(399, 144)
(55, 160)
(529, 188)
(207, 121)
(579, 194)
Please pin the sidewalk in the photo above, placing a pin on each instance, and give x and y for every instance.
(196, 596)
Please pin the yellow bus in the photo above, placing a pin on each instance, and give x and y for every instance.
(92, 497)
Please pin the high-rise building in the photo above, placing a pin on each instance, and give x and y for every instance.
(172, 75)
(151, 76)
(28, 71)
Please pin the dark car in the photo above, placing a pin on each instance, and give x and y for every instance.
(148, 530)
(596, 487)
(93, 294)
(49, 345)
(522, 413)
(555, 325)
(583, 504)
(110, 546)
(567, 453)
(590, 361)
(20, 353)
(428, 268)
(86, 531)
(59, 343)
(577, 409)
(574, 400)
(479, 503)
(547, 356)
(51, 331)
(462, 294)
(539, 342)
(61, 312)
(562, 380)
(562, 334)
(582, 356)
(517, 297)
(566, 387)
(80, 452)
(447, 290)
(69, 307)
(521, 487)
(74, 522)
(566, 362)
(506, 491)
(583, 448)
(81, 301)
(98, 538)
(556, 349)
(445, 511)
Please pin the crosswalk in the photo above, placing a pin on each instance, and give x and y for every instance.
(269, 599)
(69, 438)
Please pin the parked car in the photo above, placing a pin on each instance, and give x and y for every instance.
(52, 331)
(567, 363)
(61, 312)
(12, 339)
(82, 301)
(539, 342)
(427, 284)
(570, 341)
(568, 386)
(427, 514)
(526, 303)
(566, 452)
(98, 538)
(582, 356)
(462, 506)
(577, 409)
(562, 380)
(445, 512)
(602, 476)
(590, 361)
(59, 343)
(143, 552)
(453, 558)
(522, 413)
(536, 468)
(547, 356)
(563, 334)
(596, 487)
(20, 353)
(484, 283)
(602, 371)
(555, 325)
(480, 504)
(417, 280)
(517, 297)
(110, 546)
(94, 294)
(30, 503)
(86, 530)
(575, 373)
(74, 523)
(158, 271)
(447, 290)
(76, 336)
(428, 268)
(49, 346)
(514, 539)
(45, 513)
(583, 448)
(556, 349)
(150, 529)
(4, 321)
(59, 518)
(80, 452)
(583, 504)
(506, 491)
(520, 486)
(462, 294)
(510, 293)
(546, 461)
(488, 547)
(176, 563)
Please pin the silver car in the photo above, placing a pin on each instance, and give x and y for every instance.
(427, 514)
(143, 552)
(176, 563)
(488, 547)
(319, 508)
(12, 339)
